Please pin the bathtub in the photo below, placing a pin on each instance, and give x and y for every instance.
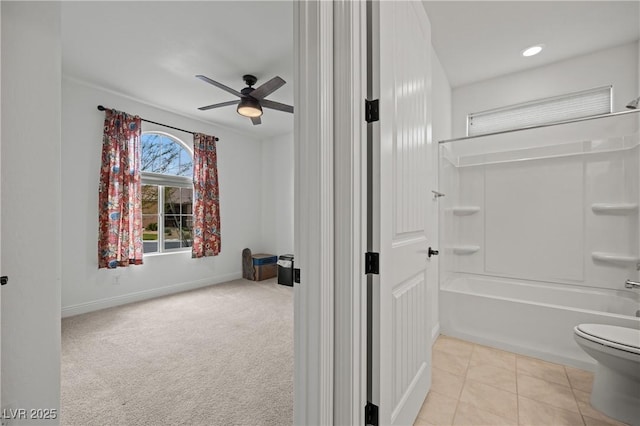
(531, 318)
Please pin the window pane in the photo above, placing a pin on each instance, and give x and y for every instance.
(186, 200)
(165, 155)
(150, 225)
(170, 156)
(150, 233)
(151, 152)
(558, 108)
(150, 246)
(171, 200)
(187, 231)
(149, 199)
(172, 235)
(186, 164)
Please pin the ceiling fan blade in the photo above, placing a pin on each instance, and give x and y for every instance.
(219, 85)
(267, 88)
(276, 105)
(256, 121)
(221, 104)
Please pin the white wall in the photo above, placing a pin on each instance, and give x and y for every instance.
(441, 117)
(86, 288)
(277, 194)
(617, 66)
(30, 190)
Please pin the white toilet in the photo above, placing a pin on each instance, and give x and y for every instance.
(616, 387)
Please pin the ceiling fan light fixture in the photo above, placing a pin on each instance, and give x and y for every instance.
(249, 107)
(251, 100)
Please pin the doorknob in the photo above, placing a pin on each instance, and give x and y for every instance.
(432, 252)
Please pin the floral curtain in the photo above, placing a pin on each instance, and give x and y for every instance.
(119, 200)
(206, 200)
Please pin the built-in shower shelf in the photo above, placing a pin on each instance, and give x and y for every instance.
(465, 249)
(465, 210)
(615, 258)
(615, 208)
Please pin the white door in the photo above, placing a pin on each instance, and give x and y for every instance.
(401, 73)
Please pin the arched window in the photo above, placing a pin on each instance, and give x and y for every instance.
(167, 193)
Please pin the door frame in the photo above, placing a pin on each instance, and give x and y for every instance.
(313, 212)
(350, 171)
(330, 204)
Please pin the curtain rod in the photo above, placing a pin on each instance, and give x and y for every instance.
(101, 108)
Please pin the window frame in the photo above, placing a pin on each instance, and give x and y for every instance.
(161, 181)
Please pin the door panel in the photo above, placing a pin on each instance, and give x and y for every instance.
(408, 351)
(401, 231)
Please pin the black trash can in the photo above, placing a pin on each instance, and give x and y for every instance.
(285, 269)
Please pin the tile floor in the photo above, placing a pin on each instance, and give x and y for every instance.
(478, 385)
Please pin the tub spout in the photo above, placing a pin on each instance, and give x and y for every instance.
(632, 284)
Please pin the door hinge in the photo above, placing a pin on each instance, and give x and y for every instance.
(371, 263)
(371, 414)
(296, 275)
(371, 110)
(4, 280)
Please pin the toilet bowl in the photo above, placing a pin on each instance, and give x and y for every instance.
(616, 386)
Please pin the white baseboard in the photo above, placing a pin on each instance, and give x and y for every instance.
(95, 305)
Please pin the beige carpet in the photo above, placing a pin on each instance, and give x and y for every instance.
(220, 355)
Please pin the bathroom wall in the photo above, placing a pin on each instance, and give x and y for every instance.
(617, 66)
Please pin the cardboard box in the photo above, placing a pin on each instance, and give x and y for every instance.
(264, 272)
(264, 265)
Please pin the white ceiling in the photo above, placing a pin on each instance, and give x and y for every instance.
(476, 40)
(151, 50)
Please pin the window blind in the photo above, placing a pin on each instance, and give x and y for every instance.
(549, 110)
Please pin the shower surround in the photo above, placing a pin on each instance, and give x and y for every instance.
(540, 233)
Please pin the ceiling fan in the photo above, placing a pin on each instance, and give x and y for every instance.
(251, 100)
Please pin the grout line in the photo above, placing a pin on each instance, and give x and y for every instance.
(564, 368)
(524, 373)
(584, 421)
(517, 395)
(464, 382)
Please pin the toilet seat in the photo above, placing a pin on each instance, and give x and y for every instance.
(623, 338)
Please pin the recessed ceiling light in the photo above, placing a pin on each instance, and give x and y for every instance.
(533, 50)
